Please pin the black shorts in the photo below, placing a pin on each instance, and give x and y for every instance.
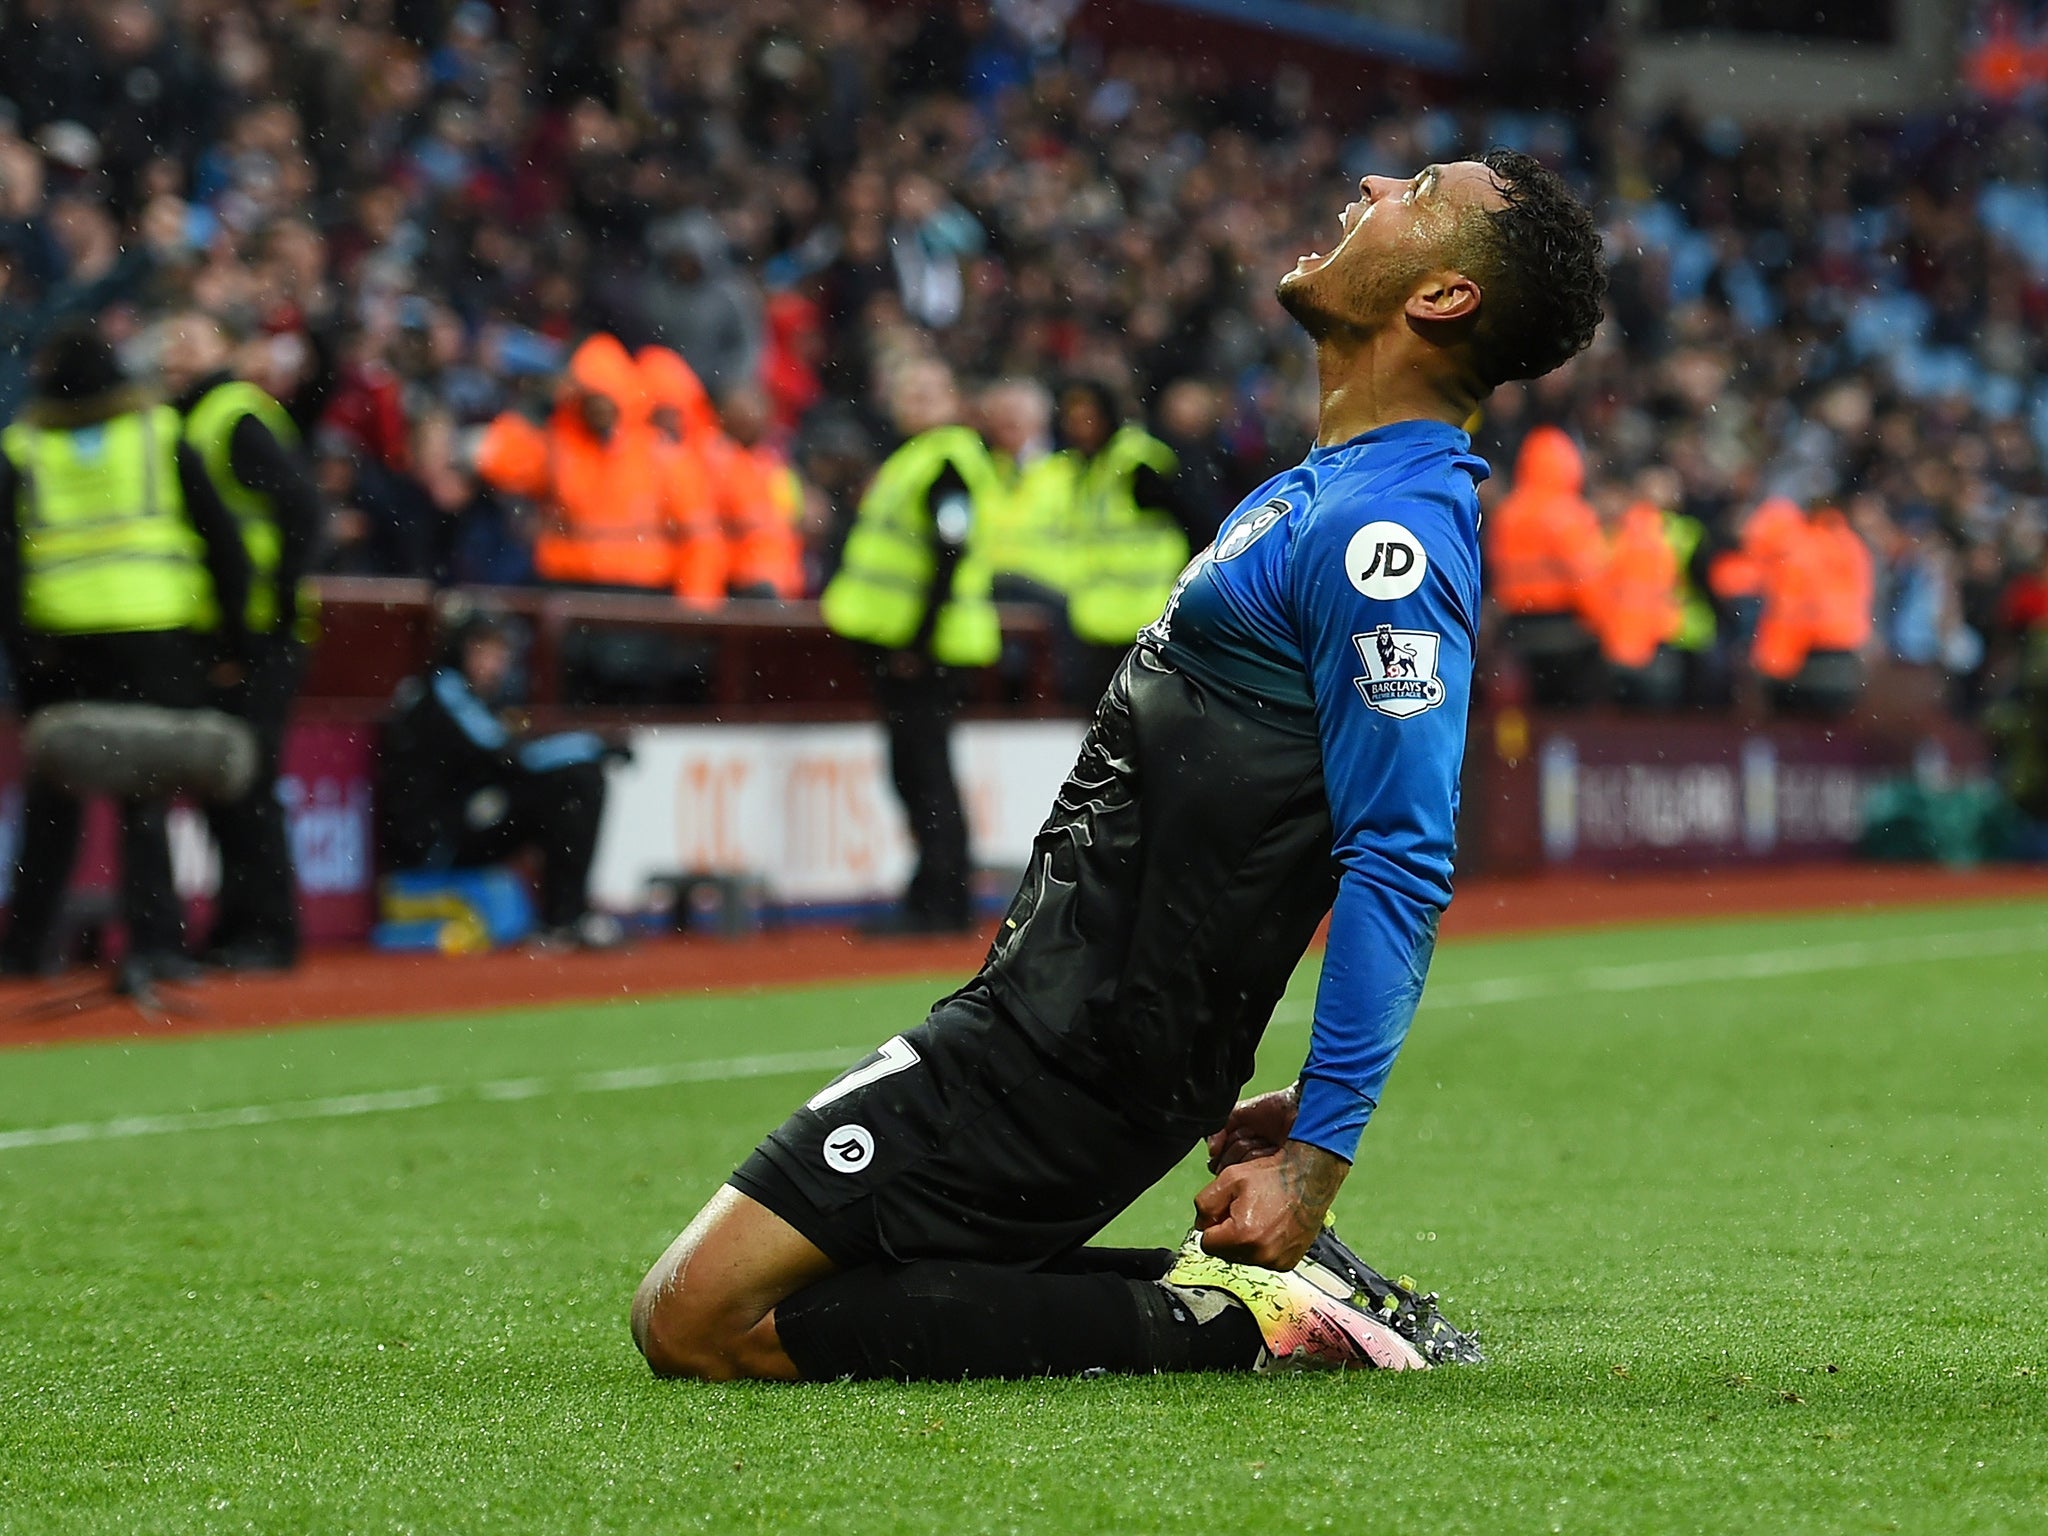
(957, 1140)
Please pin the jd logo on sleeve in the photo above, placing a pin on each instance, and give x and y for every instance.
(1385, 561)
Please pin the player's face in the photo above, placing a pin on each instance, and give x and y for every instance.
(1393, 235)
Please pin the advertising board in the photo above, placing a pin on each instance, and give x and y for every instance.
(809, 810)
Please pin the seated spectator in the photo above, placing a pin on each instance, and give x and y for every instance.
(413, 211)
(459, 789)
(1817, 617)
(1923, 621)
(379, 522)
(368, 403)
(1701, 663)
(699, 303)
(836, 456)
(1739, 576)
(1191, 424)
(761, 499)
(1636, 609)
(1544, 559)
(790, 360)
(689, 437)
(612, 497)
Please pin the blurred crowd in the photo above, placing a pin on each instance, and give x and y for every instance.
(480, 249)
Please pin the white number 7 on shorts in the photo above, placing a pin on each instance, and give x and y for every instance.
(896, 1055)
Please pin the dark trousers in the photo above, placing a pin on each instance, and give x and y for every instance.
(556, 814)
(1560, 654)
(259, 898)
(918, 707)
(165, 668)
(1657, 685)
(1825, 688)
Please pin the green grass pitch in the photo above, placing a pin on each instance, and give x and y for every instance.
(1751, 1216)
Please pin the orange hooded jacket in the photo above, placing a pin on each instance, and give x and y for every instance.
(1544, 552)
(1771, 530)
(745, 535)
(1637, 608)
(1818, 595)
(613, 504)
(763, 503)
(672, 383)
(689, 435)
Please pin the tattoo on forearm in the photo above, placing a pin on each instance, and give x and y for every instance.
(1310, 1179)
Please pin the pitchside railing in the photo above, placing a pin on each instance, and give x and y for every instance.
(647, 656)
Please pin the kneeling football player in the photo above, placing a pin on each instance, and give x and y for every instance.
(1282, 744)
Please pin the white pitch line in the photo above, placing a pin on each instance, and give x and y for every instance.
(1754, 965)
(348, 1106)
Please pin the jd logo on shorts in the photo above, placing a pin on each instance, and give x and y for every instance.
(1400, 670)
(1385, 561)
(849, 1149)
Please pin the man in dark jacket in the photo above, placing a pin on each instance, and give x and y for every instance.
(458, 789)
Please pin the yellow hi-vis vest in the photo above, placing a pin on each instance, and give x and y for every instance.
(105, 544)
(883, 587)
(1030, 527)
(1129, 556)
(210, 429)
(1697, 623)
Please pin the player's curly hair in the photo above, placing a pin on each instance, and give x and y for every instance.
(1541, 273)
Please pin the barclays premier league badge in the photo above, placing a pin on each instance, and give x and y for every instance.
(1400, 670)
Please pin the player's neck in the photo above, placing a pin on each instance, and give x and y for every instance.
(1374, 381)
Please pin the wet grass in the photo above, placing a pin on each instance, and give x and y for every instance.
(1754, 1252)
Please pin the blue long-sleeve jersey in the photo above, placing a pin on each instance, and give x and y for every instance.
(1345, 594)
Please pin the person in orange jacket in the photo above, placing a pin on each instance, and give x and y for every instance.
(762, 500)
(1819, 592)
(677, 401)
(612, 500)
(1544, 558)
(686, 424)
(1636, 608)
(1767, 534)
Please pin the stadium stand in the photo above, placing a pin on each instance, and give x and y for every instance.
(410, 214)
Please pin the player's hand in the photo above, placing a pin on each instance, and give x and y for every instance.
(1258, 1127)
(1268, 1210)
